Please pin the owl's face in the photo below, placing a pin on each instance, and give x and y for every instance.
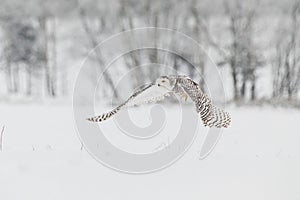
(165, 83)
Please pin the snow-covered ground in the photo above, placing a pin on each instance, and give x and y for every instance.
(257, 157)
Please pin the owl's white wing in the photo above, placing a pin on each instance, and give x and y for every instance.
(147, 94)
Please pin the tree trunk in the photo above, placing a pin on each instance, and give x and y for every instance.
(15, 74)
(43, 25)
(9, 77)
(29, 81)
(288, 80)
(243, 89)
(253, 90)
(235, 83)
(53, 59)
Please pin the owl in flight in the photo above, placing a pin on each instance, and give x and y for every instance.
(181, 86)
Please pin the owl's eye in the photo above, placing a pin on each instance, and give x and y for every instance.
(163, 81)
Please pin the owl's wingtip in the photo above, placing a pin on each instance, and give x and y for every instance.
(89, 119)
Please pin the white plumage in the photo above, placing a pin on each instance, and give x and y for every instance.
(181, 86)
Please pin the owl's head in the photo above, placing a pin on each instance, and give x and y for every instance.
(165, 82)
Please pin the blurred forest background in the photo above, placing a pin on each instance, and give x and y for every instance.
(255, 44)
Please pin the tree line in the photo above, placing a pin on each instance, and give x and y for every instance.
(29, 45)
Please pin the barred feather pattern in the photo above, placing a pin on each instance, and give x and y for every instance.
(210, 114)
(104, 116)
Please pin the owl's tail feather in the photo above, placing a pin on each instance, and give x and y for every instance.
(104, 116)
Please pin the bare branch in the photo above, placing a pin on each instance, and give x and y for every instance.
(98, 54)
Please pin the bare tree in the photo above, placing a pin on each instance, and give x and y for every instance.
(241, 53)
(286, 65)
(19, 52)
(93, 43)
(47, 52)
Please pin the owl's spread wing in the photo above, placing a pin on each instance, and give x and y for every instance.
(147, 94)
(209, 113)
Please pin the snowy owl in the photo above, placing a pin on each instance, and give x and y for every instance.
(181, 86)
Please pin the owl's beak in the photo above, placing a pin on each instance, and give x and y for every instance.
(158, 84)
